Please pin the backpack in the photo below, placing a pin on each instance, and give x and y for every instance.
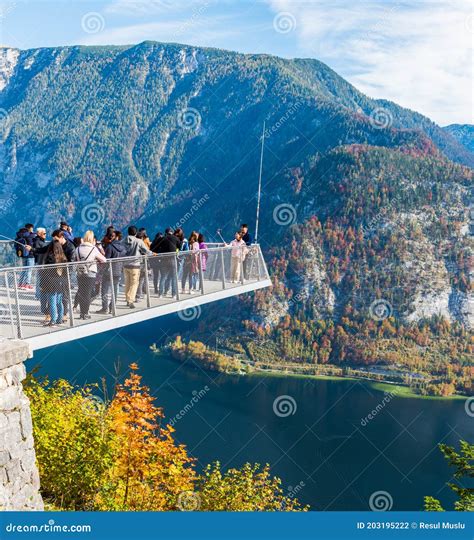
(83, 269)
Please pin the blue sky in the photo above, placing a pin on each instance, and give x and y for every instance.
(417, 53)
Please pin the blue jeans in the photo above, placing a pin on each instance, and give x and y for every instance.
(167, 278)
(25, 275)
(56, 309)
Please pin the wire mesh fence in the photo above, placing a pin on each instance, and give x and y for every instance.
(48, 298)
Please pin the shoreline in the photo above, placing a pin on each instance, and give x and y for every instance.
(399, 390)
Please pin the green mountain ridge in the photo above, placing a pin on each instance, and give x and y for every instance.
(82, 119)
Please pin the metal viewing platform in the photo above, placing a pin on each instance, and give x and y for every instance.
(24, 310)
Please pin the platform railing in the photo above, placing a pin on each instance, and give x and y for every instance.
(46, 298)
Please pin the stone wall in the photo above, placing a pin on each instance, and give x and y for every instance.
(19, 479)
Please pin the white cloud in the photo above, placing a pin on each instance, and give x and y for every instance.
(418, 53)
(141, 8)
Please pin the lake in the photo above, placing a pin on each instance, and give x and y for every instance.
(316, 434)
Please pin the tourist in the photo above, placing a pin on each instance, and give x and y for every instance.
(39, 242)
(88, 254)
(179, 233)
(67, 230)
(204, 254)
(155, 262)
(238, 253)
(53, 283)
(111, 277)
(25, 236)
(191, 265)
(143, 235)
(134, 248)
(170, 244)
(247, 238)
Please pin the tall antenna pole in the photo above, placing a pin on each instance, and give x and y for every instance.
(260, 184)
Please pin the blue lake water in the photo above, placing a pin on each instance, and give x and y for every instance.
(323, 452)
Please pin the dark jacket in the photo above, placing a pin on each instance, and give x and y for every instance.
(69, 248)
(39, 243)
(168, 244)
(26, 238)
(115, 250)
(247, 238)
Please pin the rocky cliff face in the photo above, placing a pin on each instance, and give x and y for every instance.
(19, 479)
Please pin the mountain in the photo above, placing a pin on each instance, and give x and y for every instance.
(464, 133)
(364, 203)
(145, 130)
